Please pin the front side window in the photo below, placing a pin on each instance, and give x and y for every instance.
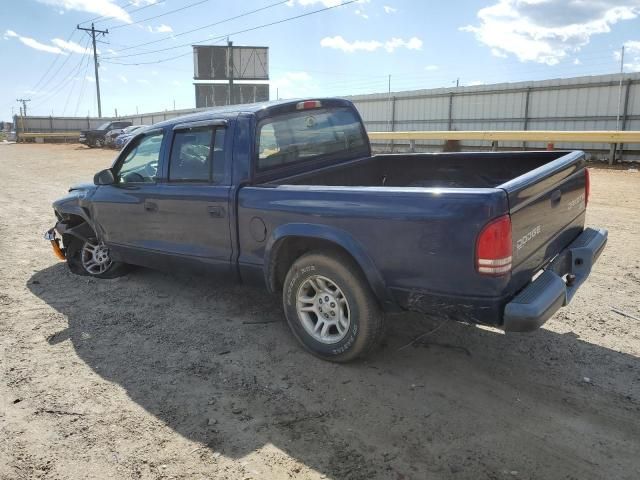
(141, 162)
(196, 155)
(308, 134)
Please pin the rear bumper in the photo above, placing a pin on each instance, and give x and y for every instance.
(557, 285)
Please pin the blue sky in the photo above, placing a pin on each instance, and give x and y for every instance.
(350, 49)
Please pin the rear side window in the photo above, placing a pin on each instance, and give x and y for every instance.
(310, 134)
(196, 155)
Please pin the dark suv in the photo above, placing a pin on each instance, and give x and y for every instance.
(96, 137)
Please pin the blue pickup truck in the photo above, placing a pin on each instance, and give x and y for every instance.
(288, 194)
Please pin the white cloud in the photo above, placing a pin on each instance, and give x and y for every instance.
(143, 81)
(361, 13)
(162, 28)
(388, 9)
(631, 56)
(431, 68)
(123, 79)
(177, 83)
(577, 61)
(90, 78)
(547, 31)
(339, 43)
(33, 43)
(474, 83)
(58, 46)
(71, 46)
(106, 8)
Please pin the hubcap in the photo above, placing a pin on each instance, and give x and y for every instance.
(95, 257)
(323, 309)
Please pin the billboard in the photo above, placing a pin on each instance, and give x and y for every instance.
(218, 62)
(217, 94)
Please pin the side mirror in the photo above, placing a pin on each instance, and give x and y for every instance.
(104, 177)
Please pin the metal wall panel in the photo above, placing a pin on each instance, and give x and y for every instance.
(583, 103)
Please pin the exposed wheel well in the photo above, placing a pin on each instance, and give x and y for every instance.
(289, 249)
(77, 227)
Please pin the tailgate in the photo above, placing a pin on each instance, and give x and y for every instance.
(547, 207)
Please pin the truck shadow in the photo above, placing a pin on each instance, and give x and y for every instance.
(216, 363)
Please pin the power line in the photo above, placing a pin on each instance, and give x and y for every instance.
(62, 65)
(152, 62)
(113, 27)
(86, 57)
(102, 18)
(82, 87)
(59, 86)
(170, 37)
(55, 60)
(270, 24)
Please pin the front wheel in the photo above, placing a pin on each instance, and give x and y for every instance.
(93, 258)
(330, 307)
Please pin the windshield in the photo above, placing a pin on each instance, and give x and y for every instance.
(103, 126)
(309, 134)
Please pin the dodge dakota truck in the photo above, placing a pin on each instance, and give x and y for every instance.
(288, 194)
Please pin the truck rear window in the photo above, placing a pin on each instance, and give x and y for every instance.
(310, 134)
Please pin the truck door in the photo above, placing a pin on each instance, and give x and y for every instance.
(193, 201)
(121, 211)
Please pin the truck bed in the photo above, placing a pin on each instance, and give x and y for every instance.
(430, 170)
(434, 206)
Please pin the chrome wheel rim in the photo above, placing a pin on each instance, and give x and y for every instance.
(323, 309)
(95, 257)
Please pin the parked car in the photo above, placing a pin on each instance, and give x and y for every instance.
(97, 137)
(288, 194)
(127, 134)
(110, 137)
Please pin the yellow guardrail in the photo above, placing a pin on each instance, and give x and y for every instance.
(48, 134)
(549, 136)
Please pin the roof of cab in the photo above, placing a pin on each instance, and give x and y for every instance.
(261, 109)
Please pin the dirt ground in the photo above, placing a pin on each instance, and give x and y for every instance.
(155, 375)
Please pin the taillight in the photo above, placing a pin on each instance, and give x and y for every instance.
(308, 104)
(587, 186)
(494, 247)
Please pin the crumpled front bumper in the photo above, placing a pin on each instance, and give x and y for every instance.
(557, 285)
(58, 251)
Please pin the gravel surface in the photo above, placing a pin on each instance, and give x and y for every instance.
(156, 375)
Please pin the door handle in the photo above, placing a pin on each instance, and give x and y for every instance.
(150, 206)
(556, 196)
(215, 211)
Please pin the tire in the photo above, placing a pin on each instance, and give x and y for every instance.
(80, 263)
(345, 293)
(99, 143)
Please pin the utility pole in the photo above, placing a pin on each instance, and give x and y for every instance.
(92, 31)
(614, 146)
(24, 105)
(620, 88)
(230, 63)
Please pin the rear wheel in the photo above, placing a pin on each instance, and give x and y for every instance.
(93, 258)
(330, 308)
